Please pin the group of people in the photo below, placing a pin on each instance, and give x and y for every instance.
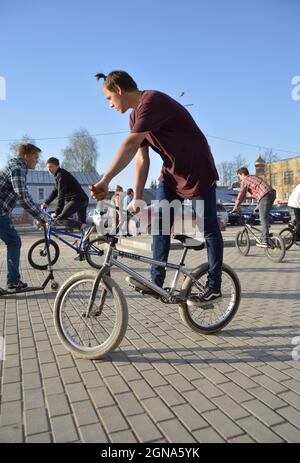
(159, 122)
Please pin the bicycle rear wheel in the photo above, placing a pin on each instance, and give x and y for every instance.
(211, 318)
(242, 242)
(276, 248)
(37, 254)
(95, 252)
(98, 334)
(288, 237)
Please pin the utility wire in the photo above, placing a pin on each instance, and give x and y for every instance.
(125, 131)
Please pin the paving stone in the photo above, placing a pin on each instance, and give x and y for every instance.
(288, 432)
(207, 435)
(112, 419)
(144, 428)
(129, 404)
(64, 429)
(93, 433)
(57, 405)
(33, 398)
(230, 407)
(291, 415)
(142, 389)
(11, 434)
(123, 436)
(170, 395)
(101, 397)
(41, 438)
(36, 421)
(258, 431)
(189, 417)
(84, 413)
(76, 392)
(224, 425)
(262, 412)
(11, 413)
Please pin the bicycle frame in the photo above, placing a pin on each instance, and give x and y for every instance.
(52, 231)
(252, 230)
(168, 296)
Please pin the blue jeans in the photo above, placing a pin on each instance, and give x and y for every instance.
(12, 240)
(212, 234)
(264, 207)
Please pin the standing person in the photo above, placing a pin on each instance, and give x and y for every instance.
(13, 188)
(294, 203)
(117, 200)
(128, 198)
(71, 197)
(188, 170)
(263, 193)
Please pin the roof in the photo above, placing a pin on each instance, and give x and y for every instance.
(42, 177)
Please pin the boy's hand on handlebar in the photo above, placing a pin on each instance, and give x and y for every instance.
(54, 215)
(134, 206)
(234, 210)
(99, 190)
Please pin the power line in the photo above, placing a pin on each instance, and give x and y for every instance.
(125, 131)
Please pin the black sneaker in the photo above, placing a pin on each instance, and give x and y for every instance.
(140, 287)
(16, 286)
(208, 296)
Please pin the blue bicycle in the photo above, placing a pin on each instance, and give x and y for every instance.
(89, 250)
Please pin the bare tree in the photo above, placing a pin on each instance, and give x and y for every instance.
(269, 156)
(81, 154)
(239, 162)
(13, 151)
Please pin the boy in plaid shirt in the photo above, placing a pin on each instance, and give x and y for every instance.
(263, 193)
(13, 188)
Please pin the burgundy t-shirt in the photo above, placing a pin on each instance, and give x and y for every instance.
(188, 165)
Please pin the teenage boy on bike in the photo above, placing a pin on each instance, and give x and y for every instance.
(264, 195)
(188, 170)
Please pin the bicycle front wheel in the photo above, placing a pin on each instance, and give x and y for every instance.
(276, 248)
(210, 318)
(97, 334)
(242, 242)
(37, 254)
(288, 237)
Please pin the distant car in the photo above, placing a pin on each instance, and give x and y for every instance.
(249, 215)
(280, 214)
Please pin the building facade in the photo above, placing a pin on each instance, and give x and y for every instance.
(282, 175)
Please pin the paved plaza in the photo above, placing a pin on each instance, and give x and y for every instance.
(165, 383)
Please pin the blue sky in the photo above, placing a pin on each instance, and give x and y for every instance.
(234, 60)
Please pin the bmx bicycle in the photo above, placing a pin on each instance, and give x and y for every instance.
(90, 309)
(86, 249)
(275, 250)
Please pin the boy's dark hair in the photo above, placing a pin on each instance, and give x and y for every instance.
(243, 170)
(27, 148)
(54, 161)
(117, 79)
(129, 191)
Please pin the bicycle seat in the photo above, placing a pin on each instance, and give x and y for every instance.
(189, 242)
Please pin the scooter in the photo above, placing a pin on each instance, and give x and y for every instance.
(50, 276)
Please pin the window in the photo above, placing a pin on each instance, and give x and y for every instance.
(288, 177)
(41, 194)
(286, 195)
(274, 179)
